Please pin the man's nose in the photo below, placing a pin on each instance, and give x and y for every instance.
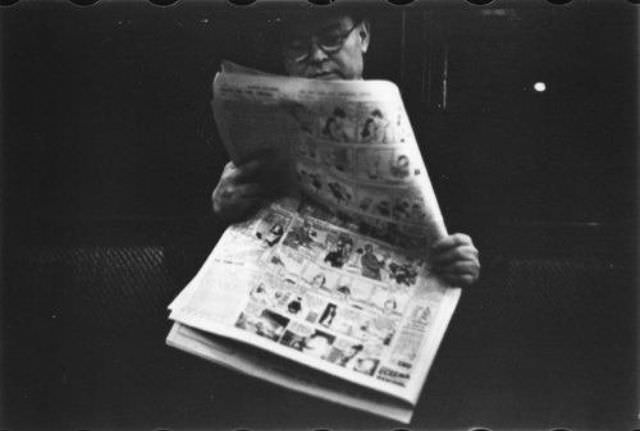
(316, 54)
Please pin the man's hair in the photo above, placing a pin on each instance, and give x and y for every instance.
(285, 19)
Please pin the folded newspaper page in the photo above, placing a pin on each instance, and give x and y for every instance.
(334, 276)
(254, 362)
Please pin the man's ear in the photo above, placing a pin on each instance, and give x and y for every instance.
(365, 35)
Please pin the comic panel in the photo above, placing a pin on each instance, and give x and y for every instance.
(375, 227)
(278, 293)
(402, 167)
(355, 355)
(338, 122)
(319, 279)
(340, 251)
(387, 165)
(405, 270)
(391, 302)
(303, 242)
(271, 226)
(409, 207)
(314, 307)
(376, 202)
(344, 352)
(296, 335)
(339, 192)
(262, 322)
(361, 292)
(312, 179)
(373, 163)
(342, 318)
(376, 124)
(378, 328)
(373, 260)
(366, 365)
(420, 317)
(303, 115)
(312, 342)
(337, 159)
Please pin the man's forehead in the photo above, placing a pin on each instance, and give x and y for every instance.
(309, 24)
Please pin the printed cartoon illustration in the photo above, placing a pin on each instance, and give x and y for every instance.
(267, 324)
(405, 273)
(328, 315)
(303, 116)
(274, 234)
(309, 178)
(399, 168)
(296, 335)
(335, 128)
(271, 227)
(371, 264)
(340, 193)
(337, 258)
(319, 281)
(295, 306)
(373, 166)
(337, 159)
(374, 129)
(317, 345)
(366, 365)
(382, 326)
(350, 357)
(383, 208)
(301, 235)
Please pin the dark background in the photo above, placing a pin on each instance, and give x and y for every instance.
(110, 154)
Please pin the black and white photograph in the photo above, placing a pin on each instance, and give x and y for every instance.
(319, 214)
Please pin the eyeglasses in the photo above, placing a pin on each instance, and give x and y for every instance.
(329, 41)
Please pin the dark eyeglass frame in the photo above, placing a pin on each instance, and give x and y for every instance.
(307, 43)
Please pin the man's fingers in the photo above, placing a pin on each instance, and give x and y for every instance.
(457, 253)
(460, 267)
(450, 241)
(459, 280)
(236, 192)
(247, 171)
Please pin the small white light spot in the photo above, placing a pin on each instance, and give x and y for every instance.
(540, 87)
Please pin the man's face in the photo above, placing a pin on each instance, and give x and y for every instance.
(305, 50)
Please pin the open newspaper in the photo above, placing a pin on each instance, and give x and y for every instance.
(327, 290)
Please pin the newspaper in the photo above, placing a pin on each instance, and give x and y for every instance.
(242, 358)
(333, 276)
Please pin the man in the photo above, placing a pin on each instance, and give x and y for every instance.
(329, 46)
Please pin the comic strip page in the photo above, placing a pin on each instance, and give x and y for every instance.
(358, 308)
(346, 145)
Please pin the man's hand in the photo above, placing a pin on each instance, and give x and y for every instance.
(243, 188)
(455, 259)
